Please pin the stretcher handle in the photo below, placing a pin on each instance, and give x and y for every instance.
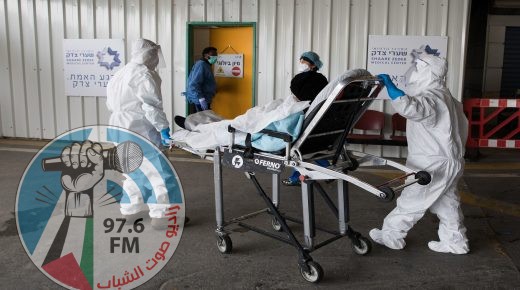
(395, 179)
(280, 135)
(421, 177)
(231, 130)
(287, 138)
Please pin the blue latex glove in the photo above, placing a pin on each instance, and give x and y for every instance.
(393, 91)
(165, 137)
(203, 104)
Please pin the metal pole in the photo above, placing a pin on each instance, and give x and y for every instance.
(219, 199)
(308, 213)
(343, 215)
(276, 189)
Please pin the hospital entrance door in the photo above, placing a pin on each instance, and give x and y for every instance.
(234, 71)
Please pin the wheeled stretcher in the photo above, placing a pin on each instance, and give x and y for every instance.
(323, 136)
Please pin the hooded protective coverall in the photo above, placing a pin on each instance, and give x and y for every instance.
(134, 94)
(135, 101)
(436, 132)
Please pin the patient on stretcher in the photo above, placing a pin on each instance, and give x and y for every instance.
(207, 130)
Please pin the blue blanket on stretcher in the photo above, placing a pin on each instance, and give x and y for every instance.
(291, 125)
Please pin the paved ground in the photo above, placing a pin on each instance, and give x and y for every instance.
(490, 192)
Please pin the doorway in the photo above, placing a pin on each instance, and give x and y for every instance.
(235, 80)
(509, 87)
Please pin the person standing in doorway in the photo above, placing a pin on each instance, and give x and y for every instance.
(201, 87)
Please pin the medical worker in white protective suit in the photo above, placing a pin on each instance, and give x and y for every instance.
(134, 94)
(436, 131)
(135, 101)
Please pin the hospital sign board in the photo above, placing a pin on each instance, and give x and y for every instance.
(88, 65)
(394, 54)
(229, 66)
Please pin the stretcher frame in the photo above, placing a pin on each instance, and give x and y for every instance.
(356, 94)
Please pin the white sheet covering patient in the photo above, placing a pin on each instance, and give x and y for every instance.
(206, 130)
(202, 132)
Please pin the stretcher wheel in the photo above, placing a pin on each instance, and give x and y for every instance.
(365, 246)
(389, 193)
(224, 244)
(423, 177)
(276, 224)
(315, 274)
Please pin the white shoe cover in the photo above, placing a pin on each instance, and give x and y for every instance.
(377, 236)
(445, 248)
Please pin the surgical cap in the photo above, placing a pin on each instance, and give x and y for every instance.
(313, 57)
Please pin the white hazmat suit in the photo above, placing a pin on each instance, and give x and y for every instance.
(135, 102)
(436, 132)
(134, 94)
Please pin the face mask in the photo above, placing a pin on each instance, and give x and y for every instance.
(418, 73)
(212, 59)
(303, 67)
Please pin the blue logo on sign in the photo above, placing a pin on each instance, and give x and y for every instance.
(108, 58)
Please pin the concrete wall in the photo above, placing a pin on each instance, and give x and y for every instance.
(32, 99)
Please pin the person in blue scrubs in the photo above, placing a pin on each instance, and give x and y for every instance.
(201, 87)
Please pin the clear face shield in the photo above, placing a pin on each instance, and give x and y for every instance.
(162, 62)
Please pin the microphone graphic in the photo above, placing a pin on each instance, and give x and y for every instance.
(125, 158)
